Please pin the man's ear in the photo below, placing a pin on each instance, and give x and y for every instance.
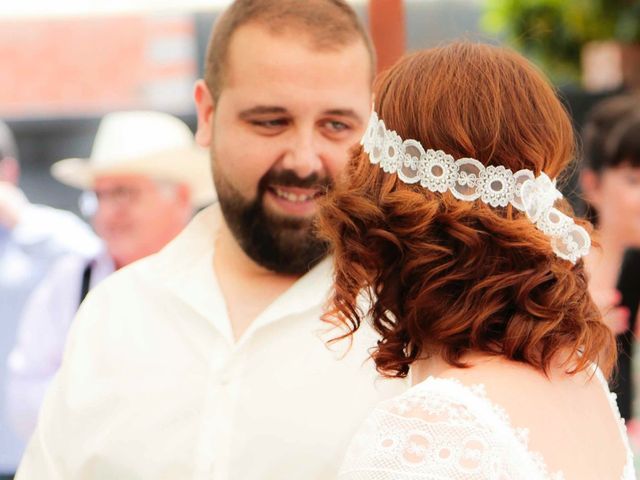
(590, 185)
(183, 200)
(205, 109)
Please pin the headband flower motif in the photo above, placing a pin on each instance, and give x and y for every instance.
(468, 179)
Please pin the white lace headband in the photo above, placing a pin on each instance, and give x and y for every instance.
(468, 179)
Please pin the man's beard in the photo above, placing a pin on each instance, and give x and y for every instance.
(282, 244)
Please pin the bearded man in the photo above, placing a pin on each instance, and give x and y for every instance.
(208, 360)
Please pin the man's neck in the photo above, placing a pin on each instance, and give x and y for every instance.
(247, 287)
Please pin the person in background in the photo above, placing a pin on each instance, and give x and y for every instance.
(142, 182)
(208, 360)
(32, 238)
(610, 181)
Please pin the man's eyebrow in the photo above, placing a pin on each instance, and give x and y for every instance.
(344, 112)
(261, 110)
(274, 110)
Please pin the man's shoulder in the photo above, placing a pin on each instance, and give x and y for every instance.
(161, 269)
(148, 277)
(123, 295)
(132, 276)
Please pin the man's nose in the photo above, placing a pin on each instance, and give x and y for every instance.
(303, 156)
(111, 204)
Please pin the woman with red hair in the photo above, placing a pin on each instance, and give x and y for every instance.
(449, 224)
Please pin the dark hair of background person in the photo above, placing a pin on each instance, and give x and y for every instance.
(611, 137)
(452, 275)
(611, 134)
(330, 24)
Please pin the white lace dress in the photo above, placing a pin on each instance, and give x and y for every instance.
(441, 429)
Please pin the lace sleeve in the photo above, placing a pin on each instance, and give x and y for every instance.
(440, 431)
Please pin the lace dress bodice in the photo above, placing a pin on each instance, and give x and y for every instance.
(441, 429)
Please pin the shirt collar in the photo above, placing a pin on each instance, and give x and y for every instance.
(185, 266)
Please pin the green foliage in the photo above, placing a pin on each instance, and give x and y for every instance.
(552, 32)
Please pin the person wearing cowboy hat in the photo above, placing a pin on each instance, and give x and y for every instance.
(142, 181)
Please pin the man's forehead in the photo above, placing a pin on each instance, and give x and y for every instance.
(255, 49)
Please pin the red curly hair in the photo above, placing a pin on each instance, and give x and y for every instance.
(461, 276)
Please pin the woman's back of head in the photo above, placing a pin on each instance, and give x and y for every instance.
(479, 101)
(461, 276)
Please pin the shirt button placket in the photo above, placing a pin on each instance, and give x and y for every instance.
(227, 392)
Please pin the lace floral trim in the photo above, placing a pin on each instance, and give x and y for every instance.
(520, 434)
(442, 429)
(468, 179)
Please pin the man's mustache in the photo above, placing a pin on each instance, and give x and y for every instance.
(288, 178)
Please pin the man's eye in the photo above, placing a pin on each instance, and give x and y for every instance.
(273, 123)
(336, 126)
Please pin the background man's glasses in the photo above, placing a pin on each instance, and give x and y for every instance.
(118, 197)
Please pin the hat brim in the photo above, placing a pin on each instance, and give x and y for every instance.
(187, 166)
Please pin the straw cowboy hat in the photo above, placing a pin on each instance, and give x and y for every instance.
(148, 143)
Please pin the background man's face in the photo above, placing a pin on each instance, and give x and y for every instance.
(280, 133)
(137, 216)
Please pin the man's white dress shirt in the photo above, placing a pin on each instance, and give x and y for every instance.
(153, 385)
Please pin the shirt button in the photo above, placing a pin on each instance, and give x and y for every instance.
(225, 379)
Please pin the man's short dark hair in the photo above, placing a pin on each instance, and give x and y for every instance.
(329, 24)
